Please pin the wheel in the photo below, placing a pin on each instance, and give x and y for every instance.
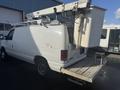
(42, 67)
(3, 54)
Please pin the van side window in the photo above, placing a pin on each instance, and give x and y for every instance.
(10, 35)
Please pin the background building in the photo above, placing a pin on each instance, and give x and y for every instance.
(9, 16)
(13, 11)
(29, 5)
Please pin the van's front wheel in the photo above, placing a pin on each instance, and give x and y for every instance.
(3, 54)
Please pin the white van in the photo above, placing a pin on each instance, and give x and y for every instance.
(49, 44)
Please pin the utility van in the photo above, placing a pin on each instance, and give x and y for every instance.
(61, 46)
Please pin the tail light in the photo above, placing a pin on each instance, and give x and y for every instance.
(64, 55)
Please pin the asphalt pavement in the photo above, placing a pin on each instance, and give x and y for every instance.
(19, 75)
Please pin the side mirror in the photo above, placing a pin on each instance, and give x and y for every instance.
(1, 37)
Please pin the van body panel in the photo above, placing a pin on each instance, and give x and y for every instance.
(35, 40)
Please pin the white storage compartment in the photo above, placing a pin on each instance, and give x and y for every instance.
(92, 28)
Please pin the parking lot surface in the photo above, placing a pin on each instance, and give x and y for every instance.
(19, 75)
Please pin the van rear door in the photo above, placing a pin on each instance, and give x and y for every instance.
(74, 54)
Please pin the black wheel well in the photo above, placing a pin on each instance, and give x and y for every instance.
(38, 58)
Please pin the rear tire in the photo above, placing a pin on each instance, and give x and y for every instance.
(42, 66)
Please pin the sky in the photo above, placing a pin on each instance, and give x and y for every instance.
(112, 7)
